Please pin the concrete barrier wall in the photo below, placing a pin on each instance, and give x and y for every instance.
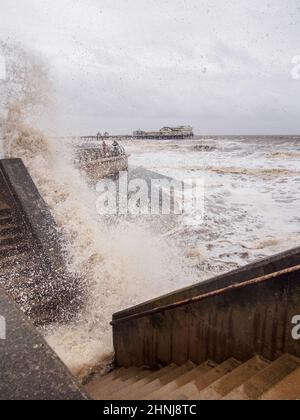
(98, 169)
(259, 268)
(239, 321)
(29, 369)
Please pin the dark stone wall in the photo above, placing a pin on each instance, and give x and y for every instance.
(237, 322)
(259, 268)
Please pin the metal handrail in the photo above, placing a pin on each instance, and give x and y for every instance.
(205, 296)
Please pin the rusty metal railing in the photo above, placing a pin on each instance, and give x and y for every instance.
(205, 296)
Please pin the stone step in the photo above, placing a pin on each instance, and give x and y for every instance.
(164, 392)
(6, 220)
(192, 390)
(5, 211)
(12, 250)
(99, 380)
(6, 230)
(255, 379)
(237, 377)
(259, 384)
(99, 384)
(163, 380)
(287, 389)
(134, 388)
(10, 239)
(125, 381)
(141, 374)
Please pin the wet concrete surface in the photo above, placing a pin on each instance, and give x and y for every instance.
(29, 369)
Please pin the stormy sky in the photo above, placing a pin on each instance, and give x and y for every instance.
(223, 66)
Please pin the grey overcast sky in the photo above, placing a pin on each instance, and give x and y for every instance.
(223, 66)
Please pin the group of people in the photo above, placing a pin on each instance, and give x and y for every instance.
(115, 149)
(107, 150)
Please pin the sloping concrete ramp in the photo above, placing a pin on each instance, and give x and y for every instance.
(32, 265)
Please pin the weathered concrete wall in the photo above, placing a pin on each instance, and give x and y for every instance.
(259, 268)
(238, 322)
(29, 369)
(104, 168)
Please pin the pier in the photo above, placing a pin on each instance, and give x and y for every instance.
(165, 133)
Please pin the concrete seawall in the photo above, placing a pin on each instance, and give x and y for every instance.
(101, 168)
(240, 314)
(29, 369)
(96, 165)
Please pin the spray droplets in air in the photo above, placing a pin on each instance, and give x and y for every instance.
(24, 94)
(120, 264)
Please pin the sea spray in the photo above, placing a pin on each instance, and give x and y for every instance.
(25, 91)
(119, 264)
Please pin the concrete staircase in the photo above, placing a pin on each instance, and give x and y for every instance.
(13, 242)
(32, 266)
(19, 269)
(257, 379)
